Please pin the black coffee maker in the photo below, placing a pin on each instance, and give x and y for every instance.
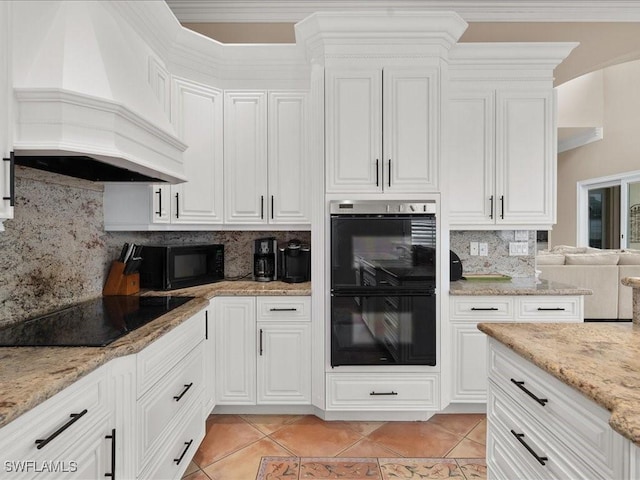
(265, 264)
(295, 262)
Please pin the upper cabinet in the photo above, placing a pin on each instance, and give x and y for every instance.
(501, 157)
(499, 142)
(7, 191)
(382, 129)
(266, 177)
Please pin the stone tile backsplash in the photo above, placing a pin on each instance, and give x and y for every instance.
(55, 252)
(498, 260)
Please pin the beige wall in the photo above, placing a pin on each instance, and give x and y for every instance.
(618, 152)
(573, 110)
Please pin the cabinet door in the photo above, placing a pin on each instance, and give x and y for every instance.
(6, 93)
(525, 157)
(410, 125)
(288, 172)
(470, 155)
(245, 153)
(235, 350)
(197, 117)
(353, 130)
(284, 363)
(92, 456)
(469, 363)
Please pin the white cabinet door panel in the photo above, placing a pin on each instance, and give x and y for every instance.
(197, 116)
(525, 157)
(469, 150)
(235, 345)
(289, 200)
(353, 130)
(284, 364)
(411, 106)
(245, 154)
(470, 372)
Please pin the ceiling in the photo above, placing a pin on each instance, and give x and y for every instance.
(608, 30)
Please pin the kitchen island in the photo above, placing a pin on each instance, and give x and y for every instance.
(571, 392)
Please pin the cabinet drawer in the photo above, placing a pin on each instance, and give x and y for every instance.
(552, 309)
(576, 421)
(481, 308)
(184, 439)
(280, 309)
(161, 356)
(530, 441)
(381, 391)
(171, 396)
(72, 412)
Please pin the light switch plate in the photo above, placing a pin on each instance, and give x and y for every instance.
(473, 249)
(518, 248)
(483, 249)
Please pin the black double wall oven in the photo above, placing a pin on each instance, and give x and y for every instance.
(383, 283)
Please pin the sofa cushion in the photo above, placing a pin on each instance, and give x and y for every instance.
(567, 249)
(550, 259)
(627, 258)
(591, 258)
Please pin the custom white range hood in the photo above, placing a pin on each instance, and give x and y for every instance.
(81, 95)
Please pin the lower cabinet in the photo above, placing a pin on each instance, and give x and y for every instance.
(468, 344)
(540, 428)
(263, 350)
(139, 416)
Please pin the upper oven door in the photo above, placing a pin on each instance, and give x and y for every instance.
(384, 248)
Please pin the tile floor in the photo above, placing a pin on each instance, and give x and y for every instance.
(235, 444)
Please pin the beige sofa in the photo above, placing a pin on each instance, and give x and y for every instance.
(597, 270)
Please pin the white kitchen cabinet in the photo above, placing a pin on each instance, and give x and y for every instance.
(265, 157)
(548, 429)
(197, 117)
(501, 157)
(263, 350)
(468, 344)
(382, 129)
(7, 193)
(67, 430)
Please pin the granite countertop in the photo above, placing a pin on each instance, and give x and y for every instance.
(600, 360)
(31, 375)
(241, 287)
(516, 286)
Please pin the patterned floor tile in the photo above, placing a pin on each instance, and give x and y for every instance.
(345, 468)
(279, 468)
(473, 468)
(419, 468)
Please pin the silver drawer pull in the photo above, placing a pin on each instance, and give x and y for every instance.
(484, 309)
(520, 437)
(384, 393)
(283, 309)
(520, 385)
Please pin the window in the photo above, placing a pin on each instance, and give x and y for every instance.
(609, 212)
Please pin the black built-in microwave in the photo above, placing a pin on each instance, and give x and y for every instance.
(170, 267)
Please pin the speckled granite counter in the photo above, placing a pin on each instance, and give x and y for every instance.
(600, 360)
(31, 375)
(243, 287)
(517, 286)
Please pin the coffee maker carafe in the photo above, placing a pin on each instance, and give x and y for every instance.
(265, 265)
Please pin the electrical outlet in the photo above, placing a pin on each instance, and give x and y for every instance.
(483, 249)
(518, 248)
(473, 249)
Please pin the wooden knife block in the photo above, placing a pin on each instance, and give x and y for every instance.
(120, 284)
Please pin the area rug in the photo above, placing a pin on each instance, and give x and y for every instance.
(295, 468)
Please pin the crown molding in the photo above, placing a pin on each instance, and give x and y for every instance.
(203, 11)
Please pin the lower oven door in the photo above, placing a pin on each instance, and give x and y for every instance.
(383, 329)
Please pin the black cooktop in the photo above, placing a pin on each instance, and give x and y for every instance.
(94, 323)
